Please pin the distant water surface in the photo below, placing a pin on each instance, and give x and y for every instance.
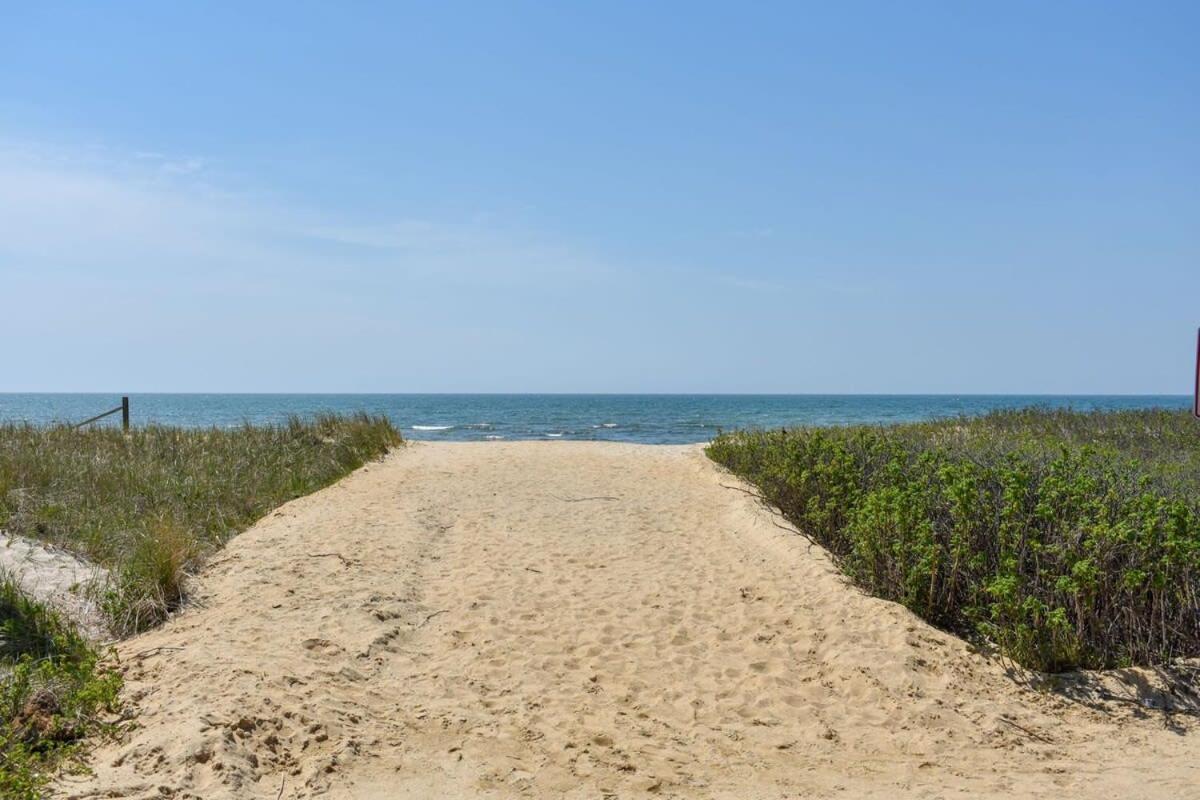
(655, 419)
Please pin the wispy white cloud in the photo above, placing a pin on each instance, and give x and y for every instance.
(171, 165)
(478, 248)
(763, 232)
(812, 280)
(186, 166)
(151, 217)
(748, 283)
(152, 211)
(151, 257)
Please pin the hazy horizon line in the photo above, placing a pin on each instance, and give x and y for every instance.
(603, 394)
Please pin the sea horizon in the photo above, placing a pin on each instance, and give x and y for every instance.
(649, 418)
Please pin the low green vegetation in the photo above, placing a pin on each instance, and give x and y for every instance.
(148, 505)
(1068, 540)
(52, 691)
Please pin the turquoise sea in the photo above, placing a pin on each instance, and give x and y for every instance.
(657, 419)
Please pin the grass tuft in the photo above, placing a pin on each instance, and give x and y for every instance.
(149, 583)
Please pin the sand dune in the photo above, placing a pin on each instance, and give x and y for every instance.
(57, 577)
(583, 620)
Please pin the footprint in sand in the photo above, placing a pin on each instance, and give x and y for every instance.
(321, 647)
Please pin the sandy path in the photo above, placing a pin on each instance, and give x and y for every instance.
(582, 620)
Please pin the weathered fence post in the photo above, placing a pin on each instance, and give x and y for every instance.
(1196, 396)
(125, 413)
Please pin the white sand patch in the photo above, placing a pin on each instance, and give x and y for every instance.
(57, 577)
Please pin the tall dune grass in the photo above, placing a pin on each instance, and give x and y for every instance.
(1067, 539)
(151, 503)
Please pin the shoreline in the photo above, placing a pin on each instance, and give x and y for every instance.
(648, 419)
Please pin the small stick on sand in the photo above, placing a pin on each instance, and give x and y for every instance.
(431, 616)
(155, 651)
(755, 495)
(767, 504)
(344, 560)
(1037, 736)
(582, 499)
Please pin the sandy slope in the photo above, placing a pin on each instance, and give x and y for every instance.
(583, 620)
(57, 577)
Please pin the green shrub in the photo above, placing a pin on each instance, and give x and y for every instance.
(52, 691)
(1067, 539)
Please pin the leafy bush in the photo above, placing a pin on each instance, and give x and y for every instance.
(52, 691)
(1067, 539)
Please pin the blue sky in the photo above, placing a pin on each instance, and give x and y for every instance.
(834, 197)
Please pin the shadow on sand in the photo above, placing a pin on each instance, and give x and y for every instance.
(1171, 693)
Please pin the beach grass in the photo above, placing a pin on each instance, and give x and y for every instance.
(151, 503)
(1066, 539)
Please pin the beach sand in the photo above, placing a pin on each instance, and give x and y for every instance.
(57, 577)
(583, 620)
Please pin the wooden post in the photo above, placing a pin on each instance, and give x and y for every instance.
(1196, 396)
(125, 413)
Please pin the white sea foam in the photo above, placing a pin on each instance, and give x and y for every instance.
(554, 435)
(432, 427)
(494, 436)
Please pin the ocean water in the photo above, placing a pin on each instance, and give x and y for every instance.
(655, 419)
